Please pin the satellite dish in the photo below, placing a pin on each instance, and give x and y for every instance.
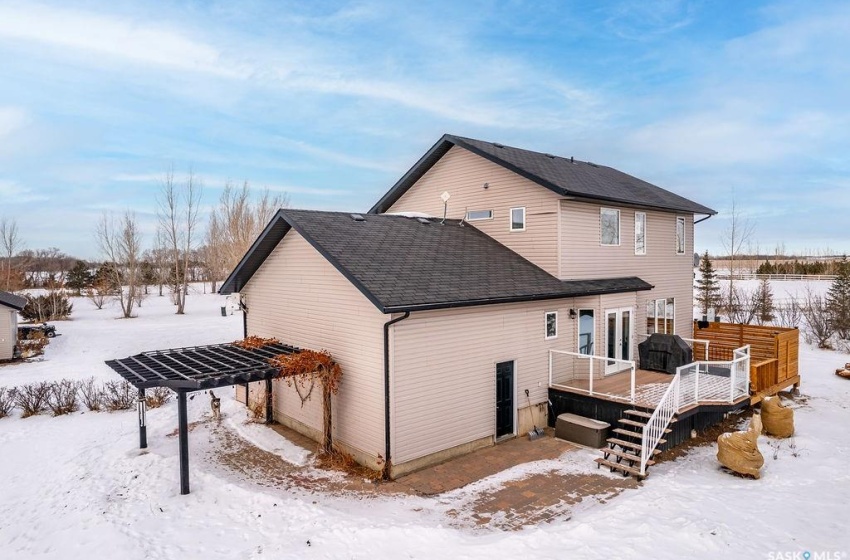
(445, 196)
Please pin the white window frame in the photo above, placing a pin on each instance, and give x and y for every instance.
(671, 301)
(642, 221)
(511, 219)
(546, 325)
(619, 229)
(471, 219)
(684, 222)
(592, 331)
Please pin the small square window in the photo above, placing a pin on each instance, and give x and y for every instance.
(680, 236)
(609, 220)
(517, 219)
(473, 215)
(551, 325)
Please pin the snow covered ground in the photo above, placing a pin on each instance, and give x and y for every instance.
(78, 486)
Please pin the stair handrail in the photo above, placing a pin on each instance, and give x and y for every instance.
(658, 422)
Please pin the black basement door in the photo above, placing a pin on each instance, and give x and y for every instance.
(504, 399)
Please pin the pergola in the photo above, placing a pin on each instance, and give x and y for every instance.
(184, 370)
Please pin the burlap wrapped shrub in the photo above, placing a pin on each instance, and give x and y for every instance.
(739, 451)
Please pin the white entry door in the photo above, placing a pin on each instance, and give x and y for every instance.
(618, 339)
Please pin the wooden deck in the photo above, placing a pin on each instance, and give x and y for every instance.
(649, 388)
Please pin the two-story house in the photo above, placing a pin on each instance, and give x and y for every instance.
(442, 303)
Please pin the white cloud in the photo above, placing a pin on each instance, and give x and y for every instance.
(113, 38)
(219, 182)
(12, 119)
(14, 193)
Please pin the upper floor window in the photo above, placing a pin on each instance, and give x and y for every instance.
(680, 235)
(551, 325)
(610, 226)
(640, 233)
(518, 219)
(473, 215)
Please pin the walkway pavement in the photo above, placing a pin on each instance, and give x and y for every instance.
(515, 484)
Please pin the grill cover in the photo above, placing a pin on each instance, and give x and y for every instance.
(664, 352)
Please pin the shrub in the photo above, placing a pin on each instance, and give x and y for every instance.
(118, 395)
(62, 397)
(7, 400)
(33, 345)
(158, 396)
(91, 394)
(32, 398)
(47, 307)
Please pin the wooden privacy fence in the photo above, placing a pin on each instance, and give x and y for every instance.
(774, 353)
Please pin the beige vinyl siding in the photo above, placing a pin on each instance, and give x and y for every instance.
(443, 370)
(583, 256)
(463, 175)
(298, 297)
(8, 334)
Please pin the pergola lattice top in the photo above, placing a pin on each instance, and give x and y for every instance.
(200, 367)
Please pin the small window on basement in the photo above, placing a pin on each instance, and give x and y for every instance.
(551, 325)
(473, 215)
(609, 220)
(517, 219)
(680, 236)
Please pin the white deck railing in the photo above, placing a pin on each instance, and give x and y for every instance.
(578, 372)
(697, 382)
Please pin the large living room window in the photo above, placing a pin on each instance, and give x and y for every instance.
(609, 221)
(660, 315)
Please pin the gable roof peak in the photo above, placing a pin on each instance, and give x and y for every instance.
(566, 177)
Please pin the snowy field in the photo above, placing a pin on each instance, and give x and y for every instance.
(78, 487)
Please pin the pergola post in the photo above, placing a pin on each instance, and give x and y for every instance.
(143, 428)
(269, 402)
(183, 436)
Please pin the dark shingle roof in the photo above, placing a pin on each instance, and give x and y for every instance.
(562, 175)
(11, 300)
(406, 264)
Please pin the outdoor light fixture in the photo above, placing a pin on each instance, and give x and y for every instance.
(572, 313)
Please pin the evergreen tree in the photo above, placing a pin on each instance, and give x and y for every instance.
(708, 288)
(79, 277)
(838, 299)
(763, 303)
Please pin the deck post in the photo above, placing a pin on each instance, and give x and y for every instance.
(143, 428)
(696, 384)
(590, 381)
(183, 435)
(732, 372)
(269, 402)
(633, 384)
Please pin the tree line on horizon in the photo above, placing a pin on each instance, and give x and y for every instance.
(182, 251)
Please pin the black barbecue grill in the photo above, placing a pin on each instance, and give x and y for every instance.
(664, 352)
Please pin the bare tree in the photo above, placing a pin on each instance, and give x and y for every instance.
(737, 234)
(178, 220)
(11, 242)
(120, 244)
(234, 225)
(819, 328)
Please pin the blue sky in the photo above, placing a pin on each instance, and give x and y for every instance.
(333, 101)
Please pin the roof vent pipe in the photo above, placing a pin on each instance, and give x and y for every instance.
(572, 160)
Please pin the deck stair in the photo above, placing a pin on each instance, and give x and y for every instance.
(625, 447)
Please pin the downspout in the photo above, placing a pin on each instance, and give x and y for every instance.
(387, 325)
